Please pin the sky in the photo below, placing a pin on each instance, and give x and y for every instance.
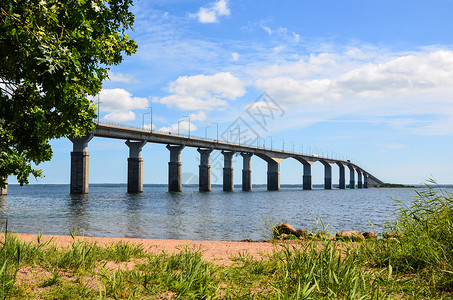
(370, 81)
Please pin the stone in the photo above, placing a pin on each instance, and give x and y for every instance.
(326, 236)
(350, 235)
(283, 236)
(301, 233)
(286, 229)
(369, 235)
(312, 237)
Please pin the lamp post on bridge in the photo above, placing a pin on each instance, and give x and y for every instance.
(217, 125)
(151, 118)
(206, 132)
(99, 107)
(143, 120)
(271, 142)
(189, 123)
(239, 130)
(283, 145)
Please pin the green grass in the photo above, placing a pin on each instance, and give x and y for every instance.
(416, 265)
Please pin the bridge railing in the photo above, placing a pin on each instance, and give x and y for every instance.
(310, 150)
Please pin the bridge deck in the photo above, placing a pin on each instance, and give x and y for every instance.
(125, 133)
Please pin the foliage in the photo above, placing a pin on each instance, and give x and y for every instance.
(426, 243)
(395, 185)
(55, 54)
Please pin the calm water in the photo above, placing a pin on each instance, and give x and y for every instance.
(109, 211)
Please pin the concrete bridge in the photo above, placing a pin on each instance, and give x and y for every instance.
(136, 139)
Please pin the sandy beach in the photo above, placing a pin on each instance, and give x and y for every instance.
(218, 252)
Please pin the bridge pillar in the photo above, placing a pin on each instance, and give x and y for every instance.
(359, 179)
(204, 169)
(327, 176)
(228, 172)
(246, 172)
(80, 164)
(351, 177)
(135, 167)
(175, 169)
(365, 180)
(273, 176)
(4, 191)
(306, 178)
(342, 181)
(372, 182)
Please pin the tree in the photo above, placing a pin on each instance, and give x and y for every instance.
(54, 55)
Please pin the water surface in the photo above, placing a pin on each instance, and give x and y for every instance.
(109, 211)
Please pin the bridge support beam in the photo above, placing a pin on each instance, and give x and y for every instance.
(135, 167)
(228, 171)
(4, 191)
(359, 179)
(246, 172)
(342, 181)
(351, 177)
(327, 176)
(273, 176)
(204, 170)
(80, 164)
(365, 180)
(306, 178)
(175, 169)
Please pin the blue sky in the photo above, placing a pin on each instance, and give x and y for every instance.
(368, 80)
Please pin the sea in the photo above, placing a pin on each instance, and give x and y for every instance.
(109, 211)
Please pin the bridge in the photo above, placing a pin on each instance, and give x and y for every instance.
(137, 138)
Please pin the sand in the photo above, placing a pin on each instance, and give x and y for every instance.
(218, 252)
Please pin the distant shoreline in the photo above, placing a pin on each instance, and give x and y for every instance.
(316, 186)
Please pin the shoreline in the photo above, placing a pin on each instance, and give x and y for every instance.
(219, 252)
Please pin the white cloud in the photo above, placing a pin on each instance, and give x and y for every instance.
(119, 116)
(279, 49)
(319, 65)
(405, 75)
(402, 76)
(210, 14)
(148, 127)
(119, 103)
(391, 147)
(292, 91)
(442, 126)
(200, 116)
(267, 29)
(118, 77)
(182, 127)
(203, 92)
(281, 32)
(183, 124)
(207, 16)
(221, 7)
(324, 86)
